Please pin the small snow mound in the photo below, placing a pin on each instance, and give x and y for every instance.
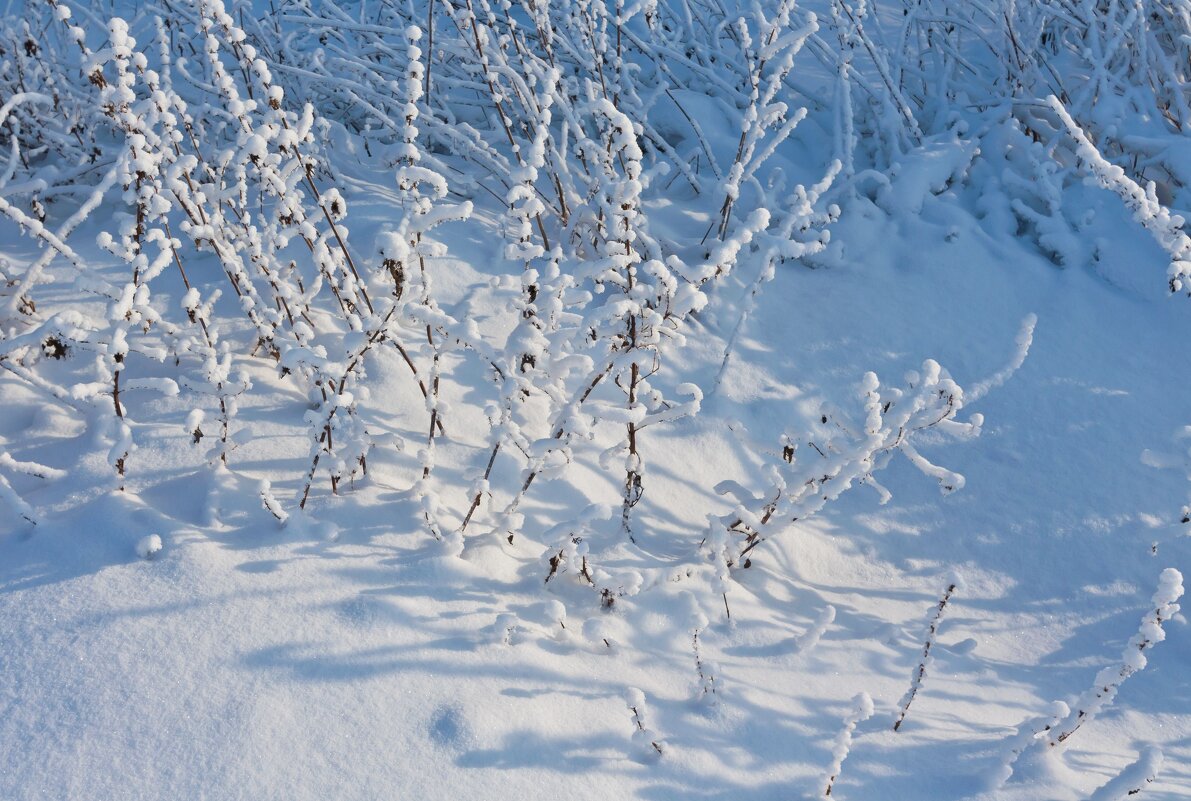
(505, 630)
(149, 546)
(557, 612)
(963, 647)
(598, 633)
(305, 525)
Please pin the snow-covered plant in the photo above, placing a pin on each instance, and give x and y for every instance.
(219, 381)
(648, 745)
(533, 357)
(932, 631)
(570, 553)
(1120, 71)
(844, 129)
(799, 233)
(537, 363)
(808, 471)
(112, 349)
(329, 252)
(50, 135)
(767, 120)
(555, 116)
(884, 108)
(812, 470)
(1164, 606)
(406, 252)
(862, 710)
(706, 688)
(340, 437)
(1165, 227)
(39, 183)
(269, 501)
(1035, 181)
(1105, 59)
(152, 171)
(627, 328)
(1132, 780)
(1056, 732)
(810, 638)
(214, 163)
(15, 503)
(1025, 737)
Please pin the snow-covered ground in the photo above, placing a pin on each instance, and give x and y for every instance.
(349, 654)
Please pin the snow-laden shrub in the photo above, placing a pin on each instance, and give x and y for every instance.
(1100, 88)
(572, 121)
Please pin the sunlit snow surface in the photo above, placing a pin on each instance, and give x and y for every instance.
(174, 641)
(249, 661)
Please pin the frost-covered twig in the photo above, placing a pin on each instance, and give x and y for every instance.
(1166, 228)
(806, 641)
(271, 504)
(862, 710)
(1108, 681)
(706, 672)
(1056, 729)
(9, 495)
(1025, 338)
(570, 554)
(817, 470)
(649, 746)
(769, 61)
(916, 680)
(1129, 783)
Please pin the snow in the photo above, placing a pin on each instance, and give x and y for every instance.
(148, 546)
(256, 662)
(768, 415)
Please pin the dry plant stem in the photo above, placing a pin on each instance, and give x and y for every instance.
(475, 502)
(414, 369)
(706, 680)
(202, 324)
(429, 48)
(432, 396)
(116, 401)
(753, 537)
(558, 434)
(754, 79)
(1125, 672)
(324, 441)
(894, 93)
(308, 174)
(500, 110)
(433, 412)
(632, 483)
(556, 182)
(221, 247)
(335, 230)
(641, 727)
(920, 673)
